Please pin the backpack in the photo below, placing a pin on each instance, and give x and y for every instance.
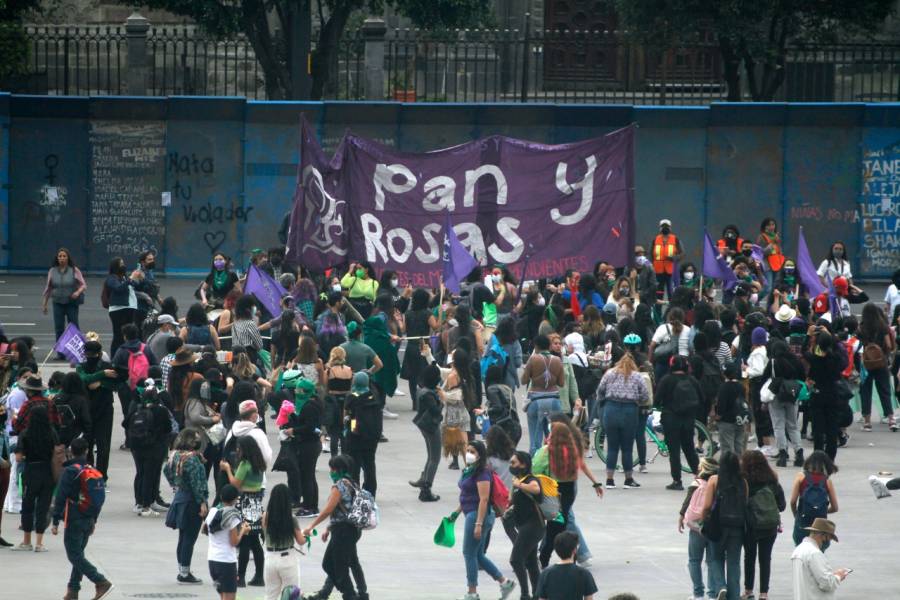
(712, 378)
(138, 367)
(499, 493)
(495, 355)
(364, 512)
(732, 505)
(663, 351)
(367, 421)
(140, 428)
(67, 421)
(873, 357)
(814, 501)
(549, 504)
(695, 508)
(684, 397)
(150, 324)
(91, 491)
(763, 512)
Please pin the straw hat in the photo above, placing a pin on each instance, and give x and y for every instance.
(184, 356)
(785, 314)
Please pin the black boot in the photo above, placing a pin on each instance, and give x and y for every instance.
(257, 580)
(798, 458)
(455, 464)
(419, 483)
(782, 458)
(426, 496)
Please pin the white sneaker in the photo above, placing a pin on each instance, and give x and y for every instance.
(506, 588)
(148, 512)
(158, 507)
(137, 509)
(879, 486)
(642, 469)
(470, 596)
(399, 393)
(388, 414)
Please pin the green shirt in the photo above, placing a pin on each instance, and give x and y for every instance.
(251, 481)
(360, 288)
(359, 356)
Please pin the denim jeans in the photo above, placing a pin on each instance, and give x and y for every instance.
(619, 422)
(697, 547)
(473, 550)
(539, 409)
(584, 552)
(727, 553)
(785, 424)
(63, 314)
(75, 539)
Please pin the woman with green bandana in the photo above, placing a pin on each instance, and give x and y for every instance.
(301, 434)
(340, 556)
(220, 281)
(379, 339)
(361, 286)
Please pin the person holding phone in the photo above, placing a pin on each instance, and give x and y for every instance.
(813, 577)
(225, 529)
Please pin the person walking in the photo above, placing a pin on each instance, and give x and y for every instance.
(878, 346)
(764, 507)
(226, 531)
(303, 436)
(698, 544)
(826, 360)
(185, 472)
(340, 556)
(338, 381)
(100, 379)
(281, 531)
(566, 580)
(418, 329)
(813, 494)
(544, 375)
(65, 288)
(679, 394)
(79, 497)
(148, 427)
(813, 577)
(724, 517)
(365, 424)
(35, 449)
(787, 369)
(429, 409)
(475, 506)
(757, 367)
(528, 520)
(623, 391)
(248, 478)
(119, 299)
(732, 413)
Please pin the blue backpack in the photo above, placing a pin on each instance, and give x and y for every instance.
(814, 501)
(495, 355)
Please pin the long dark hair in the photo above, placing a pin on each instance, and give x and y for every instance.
(196, 316)
(831, 259)
(116, 265)
(279, 530)
(248, 449)
(506, 331)
(819, 462)
(72, 385)
(177, 375)
(499, 444)
(463, 319)
(343, 463)
(755, 468)
(874, 325)
(420, 299)
(461, 366)
(40, 433)
(730, 470)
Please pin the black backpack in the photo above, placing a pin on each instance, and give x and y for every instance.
(732, 504)
(685, 399)
(712, 378)
(140, 428)
(68, 422)
(368, 419)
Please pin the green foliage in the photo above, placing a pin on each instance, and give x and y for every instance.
(13, 49)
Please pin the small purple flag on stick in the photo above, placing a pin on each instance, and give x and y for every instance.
(71, 344)
(808, 274)
(715, 266)
(457, 261)
(268, 291)
(676, 275)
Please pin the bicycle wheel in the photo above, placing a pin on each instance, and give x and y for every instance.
(600, 442)
(705, 447)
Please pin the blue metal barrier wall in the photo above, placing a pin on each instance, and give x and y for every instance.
(190, 176)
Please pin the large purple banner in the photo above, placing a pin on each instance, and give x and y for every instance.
(562, 206)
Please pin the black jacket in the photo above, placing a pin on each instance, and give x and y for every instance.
(428, 412)
(307, 425)
(75, 417)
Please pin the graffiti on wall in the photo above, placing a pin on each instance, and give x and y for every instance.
(880, 210)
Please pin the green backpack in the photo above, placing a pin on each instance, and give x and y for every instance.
(763, 512)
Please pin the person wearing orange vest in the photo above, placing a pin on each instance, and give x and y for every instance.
(770, 242)
(730, 243)
(664, 251)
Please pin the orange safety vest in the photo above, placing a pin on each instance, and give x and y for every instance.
(776, 258)
(722, 245)
(664, 249)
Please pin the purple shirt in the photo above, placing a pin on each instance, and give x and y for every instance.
(468, 490)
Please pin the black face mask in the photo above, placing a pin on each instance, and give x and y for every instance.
(121, 270)
(747, 252)
(517, 471)
(276, 261)
(666, 230)
(150, 266)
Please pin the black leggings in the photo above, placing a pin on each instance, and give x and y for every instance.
(566, 500)
(307, 453)
(340, 558)
(679, 432)
(38, 482)
(118, 318)
(250, 543)
(524, 556)
(764, 545)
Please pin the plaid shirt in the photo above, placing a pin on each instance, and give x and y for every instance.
(165, 366)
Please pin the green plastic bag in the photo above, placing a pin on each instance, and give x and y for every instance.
(489, 314)
(445, 535)
(540, 463)
(266, 358)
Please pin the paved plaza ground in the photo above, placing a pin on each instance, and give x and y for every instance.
(632, 533)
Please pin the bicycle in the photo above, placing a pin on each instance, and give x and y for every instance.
(652, 430)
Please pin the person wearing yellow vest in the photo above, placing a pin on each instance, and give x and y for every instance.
(361, 286)
(770, 242)
(664, 251)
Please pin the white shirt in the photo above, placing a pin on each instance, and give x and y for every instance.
(840, 268)
(220, 548)
(664, 332)
(757, 362)
(813, 577)
(892, 299)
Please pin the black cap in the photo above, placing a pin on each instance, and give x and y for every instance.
(93, 348)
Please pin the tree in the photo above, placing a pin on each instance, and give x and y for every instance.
(267, 25)
(751, 34)
(13, 42)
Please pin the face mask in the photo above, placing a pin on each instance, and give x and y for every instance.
(838, 253)
(747, 252)
(624, 291)
(121, 270)
(336, 287)
(276, 260)
(360, 273)
(517, 471)
(150, 266)
(541, 301)
(253, 312)
(495, 278)
(665, 230)
(611, 278)
(394, 282)
(754, 298)
(730, 235)
(688, 275)
(789, 271)
(219, 264)
(335, 476)
(471, 458)
(748, 278)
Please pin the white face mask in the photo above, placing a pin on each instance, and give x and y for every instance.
(689, 275)
(496, 278)
(471, 458)
(253, 312)
(336, 287)
(754, 298)
(541, 301)
(394, 282)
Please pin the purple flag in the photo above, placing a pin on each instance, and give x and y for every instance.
(572, 202)
(715, 266)
(267, 290)
(758, 257)
(808, 274)
(457, 261)
(71, 344)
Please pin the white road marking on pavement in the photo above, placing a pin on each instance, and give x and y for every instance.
(19, 324)
(9, 295)
(10, 307)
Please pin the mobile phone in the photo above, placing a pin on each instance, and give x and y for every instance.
(849, 571)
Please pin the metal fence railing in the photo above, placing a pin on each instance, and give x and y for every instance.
(456, 66)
